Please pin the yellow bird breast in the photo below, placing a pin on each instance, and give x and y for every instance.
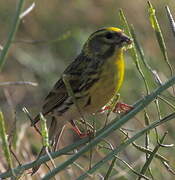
(110, 81)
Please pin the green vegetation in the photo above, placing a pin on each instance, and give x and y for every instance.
(39, 43)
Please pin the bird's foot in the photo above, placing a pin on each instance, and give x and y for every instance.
(122, 107)
(118, 108)
(78, 132)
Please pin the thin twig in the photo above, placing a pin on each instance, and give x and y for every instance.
(27, 11)
(17, 83)
(149, 160)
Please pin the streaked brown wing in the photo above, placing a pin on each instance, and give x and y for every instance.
(59, 92)
(80, 75)
(55, 98)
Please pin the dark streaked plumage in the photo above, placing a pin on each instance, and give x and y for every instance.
(95, 75)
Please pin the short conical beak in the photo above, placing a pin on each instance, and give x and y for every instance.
(125, 39)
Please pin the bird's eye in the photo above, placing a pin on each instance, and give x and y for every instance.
(109, 36)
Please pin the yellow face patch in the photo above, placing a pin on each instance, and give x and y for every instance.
(114, 29)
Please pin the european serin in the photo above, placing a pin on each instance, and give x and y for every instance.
(94, 76)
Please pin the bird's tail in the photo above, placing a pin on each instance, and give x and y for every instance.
(55, 131)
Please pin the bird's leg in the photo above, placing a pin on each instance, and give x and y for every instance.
(115, 106)
(77, 131)
(118, 108)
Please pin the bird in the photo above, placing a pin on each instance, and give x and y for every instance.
(95, 76)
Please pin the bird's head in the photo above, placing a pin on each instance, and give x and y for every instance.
(105, 42)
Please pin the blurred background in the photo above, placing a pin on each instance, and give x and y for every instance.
(48, 39)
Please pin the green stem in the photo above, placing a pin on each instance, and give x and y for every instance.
(5, 144)
(149, 160)
(122, 146)
(171, 19)
(110, 168)
(12, 33)
(43, 159)
(155, 25)
(133, 51)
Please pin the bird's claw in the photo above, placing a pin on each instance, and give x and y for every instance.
(119, 107)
